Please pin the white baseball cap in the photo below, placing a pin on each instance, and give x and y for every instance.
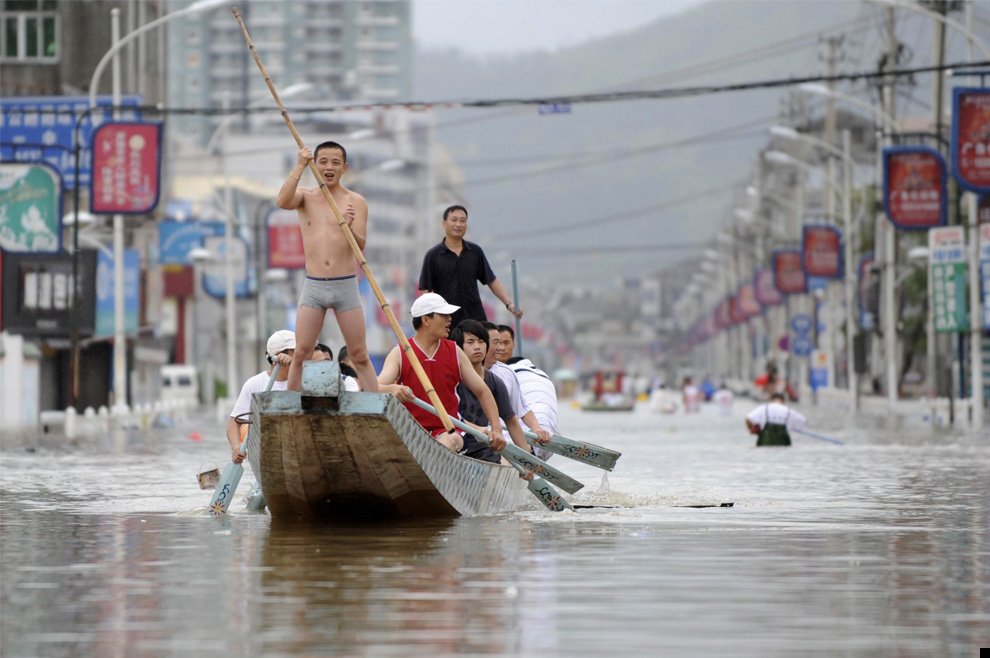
(431, 303)
(281, 340)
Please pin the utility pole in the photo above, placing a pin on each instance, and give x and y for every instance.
(889, 310)
(831, 291)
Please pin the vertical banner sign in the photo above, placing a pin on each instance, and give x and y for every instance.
(947, 249)
(766, 292)
(30, 208)
(105, 308)
(285, 245)
(867, 292)
(821, 251)
(971, 138)
(914, 194)
(126, 168)
(748, 305)
(788, 274)
(985, 272)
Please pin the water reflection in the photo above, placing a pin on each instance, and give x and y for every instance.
(879, 547)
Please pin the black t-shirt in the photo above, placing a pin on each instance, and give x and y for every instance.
(471, 411)
(455, 278)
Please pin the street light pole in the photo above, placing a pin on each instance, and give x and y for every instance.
(119, 335)
(228, 265)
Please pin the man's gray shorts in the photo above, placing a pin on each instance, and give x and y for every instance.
(339, 293)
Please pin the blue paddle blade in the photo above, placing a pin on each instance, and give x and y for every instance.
(226, 488)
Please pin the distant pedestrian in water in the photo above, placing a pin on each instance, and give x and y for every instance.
(724, 398)
(454, 267)
(772, 422)
(690, 396)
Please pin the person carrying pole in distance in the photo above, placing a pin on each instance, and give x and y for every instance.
(446, 366)
(773, 422)
(331, 280)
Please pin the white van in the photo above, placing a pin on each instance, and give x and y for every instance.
(180, 382)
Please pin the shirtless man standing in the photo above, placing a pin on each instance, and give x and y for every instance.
(331, 280)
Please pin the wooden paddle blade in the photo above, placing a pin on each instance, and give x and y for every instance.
(549, 496)
(534, 464)
(224, 494)
(586, 453)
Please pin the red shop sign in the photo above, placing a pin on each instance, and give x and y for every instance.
(788, 275)
(914, 194)
(821, 251)
(971, 138)
(126, 168)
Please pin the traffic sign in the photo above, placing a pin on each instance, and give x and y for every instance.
(801, 323)
(802, 346)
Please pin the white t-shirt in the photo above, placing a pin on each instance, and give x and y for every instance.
(256, 384)
(350, 384)
(539, 393)
(778, 414)
(723, 397)
(508, 378)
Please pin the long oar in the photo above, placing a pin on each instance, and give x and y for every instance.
(820, 437)
(231, 476)
(517, 456)
(358, 254)
(587, 453)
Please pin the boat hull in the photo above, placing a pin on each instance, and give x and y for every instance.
(364, 456)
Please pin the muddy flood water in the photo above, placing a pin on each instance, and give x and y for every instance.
(879, 547)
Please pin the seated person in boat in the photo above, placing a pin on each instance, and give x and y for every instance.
(347, 373)
(537, 389)
(445, 365)
(472, 337)
(507, 377)
(280, 348)
(772, 422)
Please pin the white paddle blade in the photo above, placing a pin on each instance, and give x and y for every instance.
(224, 493)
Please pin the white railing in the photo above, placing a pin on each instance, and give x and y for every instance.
(103, 420)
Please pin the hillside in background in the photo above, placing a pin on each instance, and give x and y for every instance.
(586, 196)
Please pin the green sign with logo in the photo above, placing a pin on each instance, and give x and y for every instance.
(949, 301)
(30, 208)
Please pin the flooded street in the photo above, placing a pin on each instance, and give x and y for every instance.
(877, 547)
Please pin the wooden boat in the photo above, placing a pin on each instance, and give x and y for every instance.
(327, 453)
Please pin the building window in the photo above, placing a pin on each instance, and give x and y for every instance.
(28, 31)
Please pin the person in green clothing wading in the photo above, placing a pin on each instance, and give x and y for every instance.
(773, 421)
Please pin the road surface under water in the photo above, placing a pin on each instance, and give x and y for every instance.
(879, 547)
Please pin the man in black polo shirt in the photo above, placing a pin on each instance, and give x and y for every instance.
(453, 268)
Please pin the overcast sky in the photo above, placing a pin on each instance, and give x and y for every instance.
(501, 26)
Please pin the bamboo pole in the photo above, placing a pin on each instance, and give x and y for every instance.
(386, 308)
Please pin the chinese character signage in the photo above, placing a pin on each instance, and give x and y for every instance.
(788, 274)
(764, 289)
(971, 138)
(30, 208)
(948, 271)
(47, 128)
(126, 168)
(821, 252)
(914, 193)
